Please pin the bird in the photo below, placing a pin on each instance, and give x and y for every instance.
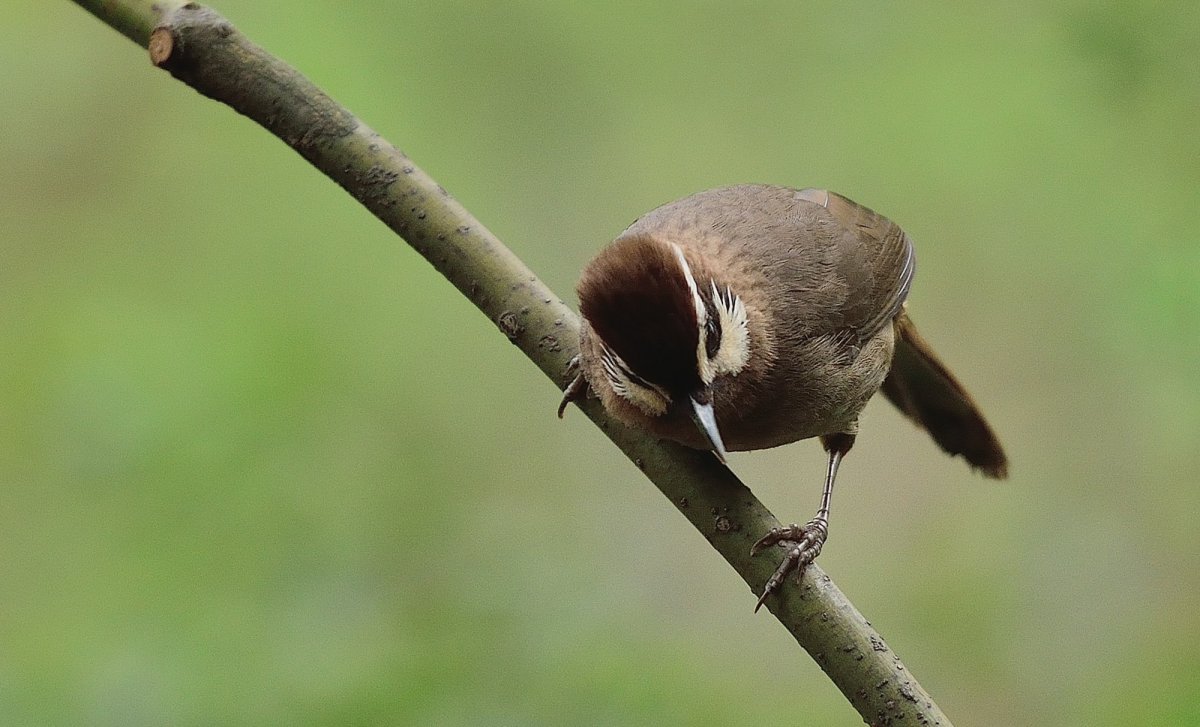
(753, 316)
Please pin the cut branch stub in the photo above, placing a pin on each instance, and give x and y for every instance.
(162, 44)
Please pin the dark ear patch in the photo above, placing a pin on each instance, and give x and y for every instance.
(636, 298)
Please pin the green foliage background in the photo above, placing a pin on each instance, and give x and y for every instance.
(260, 465)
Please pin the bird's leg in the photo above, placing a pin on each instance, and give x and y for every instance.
(804, 542)
(575, 390)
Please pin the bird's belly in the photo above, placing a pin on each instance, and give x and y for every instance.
(822, 394)
(790, 420)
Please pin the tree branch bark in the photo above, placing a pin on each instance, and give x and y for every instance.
(202, 49)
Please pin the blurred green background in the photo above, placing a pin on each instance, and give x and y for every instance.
(260, 465)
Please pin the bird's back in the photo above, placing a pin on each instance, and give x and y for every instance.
(832, 263)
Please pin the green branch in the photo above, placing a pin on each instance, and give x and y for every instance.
(202, 49)
(134, 19)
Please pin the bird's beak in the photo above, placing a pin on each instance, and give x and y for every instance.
(702, 414)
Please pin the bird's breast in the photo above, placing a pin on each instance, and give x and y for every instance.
(820, 389)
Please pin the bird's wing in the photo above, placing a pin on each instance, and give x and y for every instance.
(876, 261)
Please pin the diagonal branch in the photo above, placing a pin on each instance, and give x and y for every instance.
(202, 49)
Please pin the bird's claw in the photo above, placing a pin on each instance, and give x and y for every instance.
(576, 390)
(804, 543)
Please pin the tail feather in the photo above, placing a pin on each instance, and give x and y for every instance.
(921, 387)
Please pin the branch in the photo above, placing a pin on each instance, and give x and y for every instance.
(132, 18)
(202, 49)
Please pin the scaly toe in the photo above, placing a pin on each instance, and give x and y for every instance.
(777, 535)
(805, 542)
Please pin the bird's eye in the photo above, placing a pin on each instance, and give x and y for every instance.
(712, 337)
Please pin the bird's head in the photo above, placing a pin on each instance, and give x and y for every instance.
(667, 332)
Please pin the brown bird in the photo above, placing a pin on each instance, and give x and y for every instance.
(753, 316)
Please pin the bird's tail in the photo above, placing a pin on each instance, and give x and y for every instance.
(921, 387)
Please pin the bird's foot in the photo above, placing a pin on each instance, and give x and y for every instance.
(576, 390)
(803, 545)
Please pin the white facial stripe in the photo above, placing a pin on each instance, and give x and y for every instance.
(650, 399)
(734, 350)
(909, 259)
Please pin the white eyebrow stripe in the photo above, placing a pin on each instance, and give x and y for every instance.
(701, 313)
